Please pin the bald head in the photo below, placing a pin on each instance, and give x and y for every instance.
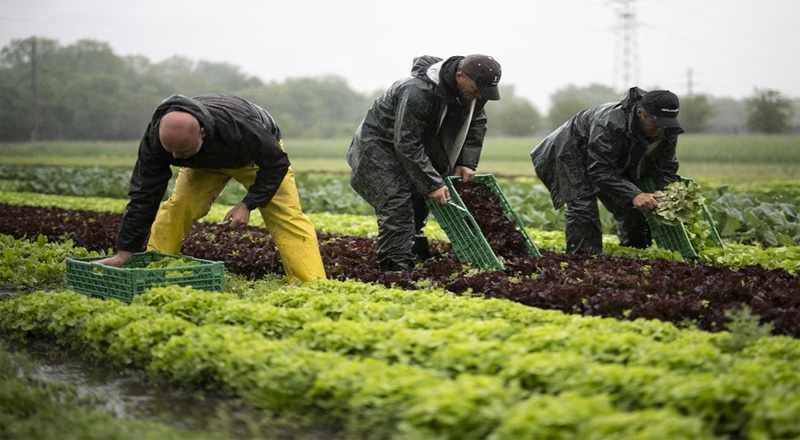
(180, 134)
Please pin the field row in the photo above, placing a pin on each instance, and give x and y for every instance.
(694, 294)
(766, 216)
(388, 362)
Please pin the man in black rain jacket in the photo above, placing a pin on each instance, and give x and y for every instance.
(425, 126)
(213, 138)
(599, 154)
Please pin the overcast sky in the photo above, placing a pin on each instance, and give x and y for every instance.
(730, 46)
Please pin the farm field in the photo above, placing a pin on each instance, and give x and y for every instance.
(630, 344)
(734, 160)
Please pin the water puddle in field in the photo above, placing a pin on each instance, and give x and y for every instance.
(132, 395)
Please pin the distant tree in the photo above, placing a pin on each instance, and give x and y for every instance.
(729, 116)
(321, 107)
(28, 89)
(225, 76)
(769, 112)
(512, 115)
(694, 114)
(567, 101)
(796, 115)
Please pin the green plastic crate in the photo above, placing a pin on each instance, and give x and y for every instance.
(469, 243)
(101, 281)
(674, 237)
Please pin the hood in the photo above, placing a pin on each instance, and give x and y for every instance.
(440, 72)
(630, 98)
(188, 105)
(420, 65)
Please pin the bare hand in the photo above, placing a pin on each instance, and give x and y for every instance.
(646, 201)
(440, 195)
(238, 216)
(466, 173)
(117, 260)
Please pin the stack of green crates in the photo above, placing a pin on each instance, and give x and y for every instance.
(469, 243)
(674, 237)
(106, 282)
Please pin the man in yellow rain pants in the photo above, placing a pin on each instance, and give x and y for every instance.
(213, 138)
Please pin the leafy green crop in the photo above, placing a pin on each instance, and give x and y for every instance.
(171, 263)
(680, 203)
(26, 264)
(431, 364)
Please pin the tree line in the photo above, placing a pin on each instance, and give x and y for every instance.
(84, 91)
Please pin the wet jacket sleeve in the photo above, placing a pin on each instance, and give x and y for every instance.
(273, 164)
(149, 181)
(605, 152)
(473, 144)
(411, 116)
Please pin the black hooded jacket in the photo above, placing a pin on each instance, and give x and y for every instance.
(599, 149)
(404, 138)
(237, 134)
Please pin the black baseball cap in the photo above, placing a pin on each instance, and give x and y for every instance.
(485, 71)
(663, 106)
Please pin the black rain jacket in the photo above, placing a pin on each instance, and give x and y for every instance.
(595, 151)
(403, 137)
(237, 134)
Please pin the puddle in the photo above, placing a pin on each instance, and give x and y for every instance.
(132, 395)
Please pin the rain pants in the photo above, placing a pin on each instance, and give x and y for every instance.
(599, 154)
(416, 132)
(242, 142)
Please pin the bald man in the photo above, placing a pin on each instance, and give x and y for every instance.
(214, 138)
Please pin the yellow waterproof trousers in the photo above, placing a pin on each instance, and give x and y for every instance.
(195, 191)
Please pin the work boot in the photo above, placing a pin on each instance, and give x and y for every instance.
(394, 266)
(420, 248)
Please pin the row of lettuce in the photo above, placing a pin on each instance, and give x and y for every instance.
(387, 363)
(733, 255)
(766, 215)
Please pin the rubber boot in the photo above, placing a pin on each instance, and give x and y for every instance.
(420, 248)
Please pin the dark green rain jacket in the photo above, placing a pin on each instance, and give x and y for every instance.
(594, 151)
(405, 137)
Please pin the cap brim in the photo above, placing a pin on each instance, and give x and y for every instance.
(492, 93)
(666, 122)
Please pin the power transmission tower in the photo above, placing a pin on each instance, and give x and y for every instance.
(627, 51)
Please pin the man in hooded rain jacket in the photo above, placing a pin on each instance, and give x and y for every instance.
(425, 126)
(599, 154)
(213, 138)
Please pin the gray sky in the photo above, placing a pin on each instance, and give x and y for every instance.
(731, 46)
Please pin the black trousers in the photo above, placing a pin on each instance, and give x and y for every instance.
(585, 233)
(400, 237)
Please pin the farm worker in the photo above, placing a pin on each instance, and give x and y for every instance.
(213, 138)
(599, 154)
(425, 126)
